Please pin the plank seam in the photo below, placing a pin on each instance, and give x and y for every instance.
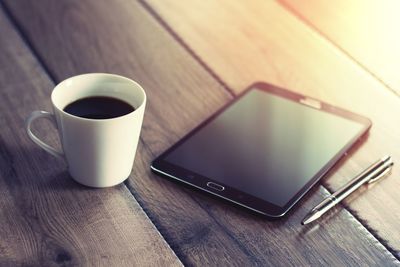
(242, 247)
(168, 28)
(21, 33)
(178, 39)
(51, 76)
(147, 215)
(157, 17)
(163, 231)
(157, 224)
(355, 214)
(385, 243)
(306, 22)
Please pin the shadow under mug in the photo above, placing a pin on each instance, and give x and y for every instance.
(98, 152)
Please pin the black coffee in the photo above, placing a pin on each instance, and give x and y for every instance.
(99, 107)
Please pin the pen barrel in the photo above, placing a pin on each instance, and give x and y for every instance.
(325, 205)
(371, 172)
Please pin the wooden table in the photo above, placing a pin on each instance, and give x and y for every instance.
(192, 57)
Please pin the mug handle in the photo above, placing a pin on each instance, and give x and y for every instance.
(47, 115)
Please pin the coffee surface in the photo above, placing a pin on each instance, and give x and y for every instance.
(99, 107)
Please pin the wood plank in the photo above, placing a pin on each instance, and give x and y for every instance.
(260, 40)
(367, 30)
(201, 230)
(47, 219)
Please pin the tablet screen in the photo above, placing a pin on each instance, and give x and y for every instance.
(265, 145)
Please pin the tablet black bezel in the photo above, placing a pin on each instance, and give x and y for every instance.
(160, 166)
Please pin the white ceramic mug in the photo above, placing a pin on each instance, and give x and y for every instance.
(99, 152)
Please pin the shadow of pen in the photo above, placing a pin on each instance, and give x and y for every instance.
(308, 229)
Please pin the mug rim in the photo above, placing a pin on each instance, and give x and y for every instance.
(60, 84)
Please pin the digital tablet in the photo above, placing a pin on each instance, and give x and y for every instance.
(264, 150)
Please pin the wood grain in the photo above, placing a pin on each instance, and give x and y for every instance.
(261, 40)
(181, 93)
(366, 30)
(47, 219)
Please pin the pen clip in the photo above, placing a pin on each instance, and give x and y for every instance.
(381, 175)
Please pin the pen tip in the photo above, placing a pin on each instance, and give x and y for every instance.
(304, 221)
(310, 218)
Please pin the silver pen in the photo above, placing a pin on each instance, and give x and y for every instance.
(372, 174)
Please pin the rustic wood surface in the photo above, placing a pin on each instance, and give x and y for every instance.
(47, 219)
(261, 40)
(71, 37)
(367, 30)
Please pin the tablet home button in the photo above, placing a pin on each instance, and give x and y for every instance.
(215, 186)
